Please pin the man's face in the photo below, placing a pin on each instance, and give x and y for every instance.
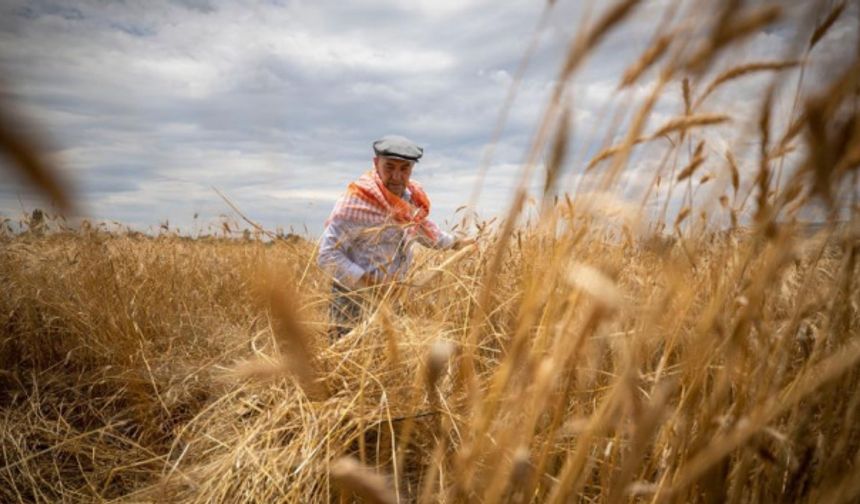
(394, 173)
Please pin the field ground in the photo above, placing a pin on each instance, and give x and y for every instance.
(165, 369)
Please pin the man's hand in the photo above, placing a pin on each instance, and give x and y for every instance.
(374, 278)
(462, 242)
(367, 280)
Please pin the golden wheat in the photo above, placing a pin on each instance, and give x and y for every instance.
(595, 353)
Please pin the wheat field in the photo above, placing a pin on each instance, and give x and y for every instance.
(604, 349)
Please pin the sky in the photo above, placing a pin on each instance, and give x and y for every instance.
(148, 106)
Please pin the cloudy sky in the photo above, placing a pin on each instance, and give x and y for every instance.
(149, 105)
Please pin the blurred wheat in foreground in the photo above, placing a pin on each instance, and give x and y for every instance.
(613, 349)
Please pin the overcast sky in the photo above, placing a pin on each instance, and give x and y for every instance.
(148, 105)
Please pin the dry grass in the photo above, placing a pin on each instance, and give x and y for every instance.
(633, 370)
(586, 355)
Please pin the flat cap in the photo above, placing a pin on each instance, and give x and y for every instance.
(398, 147)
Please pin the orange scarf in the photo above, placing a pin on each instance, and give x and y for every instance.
(368, 201)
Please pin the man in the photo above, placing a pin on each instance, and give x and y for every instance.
(368, 236)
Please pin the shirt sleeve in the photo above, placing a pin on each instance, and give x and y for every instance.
(444, 240)
(332, 257)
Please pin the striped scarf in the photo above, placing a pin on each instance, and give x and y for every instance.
(368, 201)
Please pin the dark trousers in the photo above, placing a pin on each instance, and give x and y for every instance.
(345, 311)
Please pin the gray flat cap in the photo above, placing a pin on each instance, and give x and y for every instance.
(398, 147)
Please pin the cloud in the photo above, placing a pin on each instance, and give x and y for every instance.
(150, 105)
